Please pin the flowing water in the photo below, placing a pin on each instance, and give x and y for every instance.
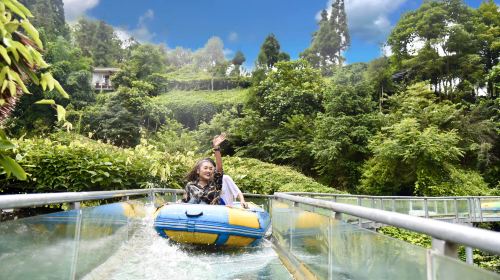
(148, 256)
(95, 246)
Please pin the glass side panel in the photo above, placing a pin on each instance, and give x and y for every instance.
(447, 268)
(282, 218)
(310, 241)
(103, 230)
(362, 254)
(40, 247)
(395, 205)
(490, 208)
(332, 249)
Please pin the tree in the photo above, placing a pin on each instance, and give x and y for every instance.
(21, 59)
(239, 58)
(341, 134)
(488, 32)
(98, 40)
(418, 151)
(211, 54)
(237, 61)
(270, 53)
(145, 60)
(331, 39)
(48, 17)
(449, 56)
(293, 89)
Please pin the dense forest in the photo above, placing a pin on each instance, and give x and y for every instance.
(422, 120)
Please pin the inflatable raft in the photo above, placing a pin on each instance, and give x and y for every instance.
(490, 206)
(212, 224)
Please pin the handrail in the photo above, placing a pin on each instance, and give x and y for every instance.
(477, 238)
(391, 197)
(38, 199)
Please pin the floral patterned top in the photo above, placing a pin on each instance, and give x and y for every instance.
(210, 194)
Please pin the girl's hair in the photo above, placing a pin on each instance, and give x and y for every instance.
(193, 174)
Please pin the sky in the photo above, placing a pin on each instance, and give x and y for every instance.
(243, 25)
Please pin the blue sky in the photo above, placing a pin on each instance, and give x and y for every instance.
(243, 25)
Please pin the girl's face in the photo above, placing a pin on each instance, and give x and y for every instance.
(206, 171)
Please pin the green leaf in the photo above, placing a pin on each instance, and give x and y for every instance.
(12, 88)
(12, 167)
(6, 144)
(32, 32)
(14, 8)
(61, 113)
(23, 9)
(60, 89)
(46, 102)
(4, 54)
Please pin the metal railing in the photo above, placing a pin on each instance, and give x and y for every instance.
(40, 199)
(459, 209)
(446, 235)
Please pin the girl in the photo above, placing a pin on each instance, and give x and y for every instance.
(205, 179)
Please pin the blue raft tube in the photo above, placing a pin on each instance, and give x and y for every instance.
(212, 224)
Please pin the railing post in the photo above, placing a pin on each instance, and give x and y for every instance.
(78, 227)
(446, 248)
(426, 207)
(469, 207)
(151, 197)
(75, 205)
(393, 205)
(456, 209)
(480, 209)
(469, 257)
(360, 224)
(338, 216)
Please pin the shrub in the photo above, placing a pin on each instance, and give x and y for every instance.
(75, 163)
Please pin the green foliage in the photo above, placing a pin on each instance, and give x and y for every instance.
(48, 17)
(331, 39)
(270, 53)
(406, 235)
(342, 133)
(418, 151)
(191, 108)
(482, 259)
(173, 138)
(98, 40)
(119, 117)
(458, 46)
(254, 176)
(238, 58)
(21, 60)
(72, 163)
(293, 89)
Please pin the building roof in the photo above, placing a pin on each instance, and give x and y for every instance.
(105, 69)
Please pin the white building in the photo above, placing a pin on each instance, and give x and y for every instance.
(101, 78)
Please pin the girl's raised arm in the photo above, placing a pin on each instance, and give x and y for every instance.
(216, 146)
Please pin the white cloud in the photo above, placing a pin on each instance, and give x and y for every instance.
(233, 37)
(228, 53)
(76, 8)
(386, 50)
(368, 19)
(141, 32)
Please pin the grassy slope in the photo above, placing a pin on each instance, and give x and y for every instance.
(193, 107)
(188, 98)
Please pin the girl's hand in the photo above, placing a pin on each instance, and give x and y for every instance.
(218, 140)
